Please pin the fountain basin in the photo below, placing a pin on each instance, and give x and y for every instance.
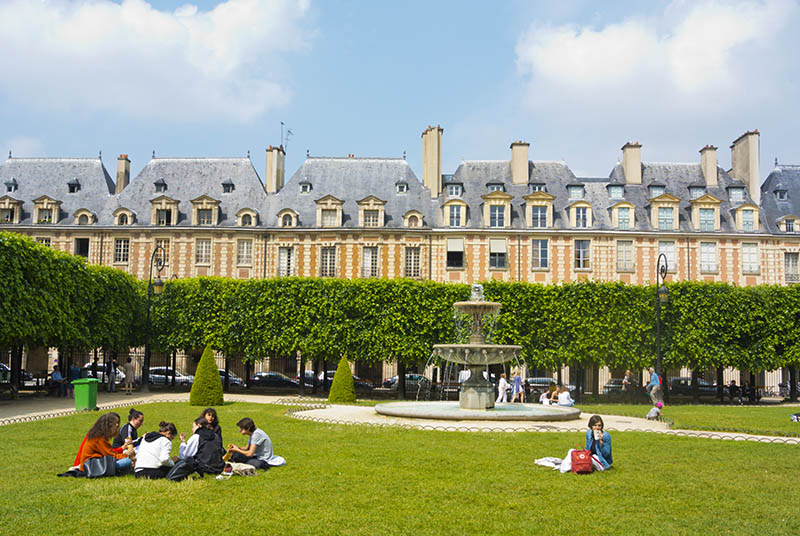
(451, 411)
(477, 354)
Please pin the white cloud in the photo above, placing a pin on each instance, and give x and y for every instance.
(700, 68)
(23, 146)
(96, 55)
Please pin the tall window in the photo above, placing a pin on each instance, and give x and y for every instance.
(750, 258)
(369, 262)
(122, 219)
(455, 216)
(286, 220)
(328, 217)
(202, 254)
(582, 259)
(581, 219)
(327, 266)
(45, 215)
(539, 217)
(539, 254)
(244, 252)
(455, 253)
(371, 218)
(286, 261)
(121, 249)
(163, 216)
(789, 224)
(707, 219)
(204, 216)
(708, 257)
(497, 216)
(624, 218)
(497, 253)
(667, 247)
(748, 221)
(412, 262)
(164, 243)
(665, 221)
(247, 220)
(790, 267)
(624, 255)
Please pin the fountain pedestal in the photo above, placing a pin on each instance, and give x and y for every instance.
(476, 392)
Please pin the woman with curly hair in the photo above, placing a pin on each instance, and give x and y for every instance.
(98, 443)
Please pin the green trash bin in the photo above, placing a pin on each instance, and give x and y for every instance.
(85, 393)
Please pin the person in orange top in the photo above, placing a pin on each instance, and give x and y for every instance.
(98, 443)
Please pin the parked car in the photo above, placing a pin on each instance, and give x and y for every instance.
(119, 377)
(683, 387)
(414, 382)
(163, 376)
(233, 379)
(5, 374)
(614, 386)
(274, 380)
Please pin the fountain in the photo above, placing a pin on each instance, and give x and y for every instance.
(476, 399)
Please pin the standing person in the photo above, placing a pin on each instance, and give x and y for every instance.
(152, 456)
(502, 387)
(258, 451)
(94, 368)
(627, 386)
(58, 381)
(598, 441)
(74, 373)
(130, 430)
(111, 376)
(210, 414)
(654, 387)
(517, 391)
(130, 371)
(98, 443)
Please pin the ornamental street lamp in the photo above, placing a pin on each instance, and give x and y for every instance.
(153, 287)
(662, 297)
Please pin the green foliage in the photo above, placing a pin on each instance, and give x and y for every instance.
(207, 386)
(343, 390)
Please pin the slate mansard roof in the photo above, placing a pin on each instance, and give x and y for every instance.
(36, 177)
(351, 180)
(784, 178)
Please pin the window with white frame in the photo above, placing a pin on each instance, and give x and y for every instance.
(244, 252)
(454, 190)
(455, 253)
(536, 187)
(122, 248)
(667, 248)
(707, 217)
(624, 218)
(581, 217)
(204, 216)
(455, 216)
(412, 261)
(750, 258)
(164, 244)
(624, 255)
(736, 194)
(665, 219)
(305, 187)
(655, 191)
(790, 267)
(497, 216)
(43, 241)
(539, 254)
(402, 187)
(286, 261)
(202, 254)
(616, 191)
(575, 192)
(708, 257)
(329, 217)
(696, 191)
(327, 265)
(789, 225)
(371, 218)
(497, 253)
(539, 217)
(369, 261)
(748, 220)
(782, 195)
(582, 258)
(496, 188)
(163, 216)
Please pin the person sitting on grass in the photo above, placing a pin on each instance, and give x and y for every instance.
(655, 412)
(598, 441)
(258, 451)
(97, 443)
(795, 417)
(201, 454)
(210, 414)
(188, 448)
(152, 456)
(135, 420)
(564, 398)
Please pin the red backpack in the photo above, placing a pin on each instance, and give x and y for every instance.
(582, 462)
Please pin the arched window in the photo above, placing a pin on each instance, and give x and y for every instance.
(413, 221)
(286, 221)
(123, 219)
(247, 220)
(83, 219)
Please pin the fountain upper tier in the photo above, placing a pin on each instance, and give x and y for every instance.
(477, 307)
(476, 354)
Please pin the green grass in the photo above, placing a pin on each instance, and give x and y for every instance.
(368, 480)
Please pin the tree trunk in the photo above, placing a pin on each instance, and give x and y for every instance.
(596, 383)
(401, 380)
(720, 385)
(793, 383)
(227, 385)
(695, 387)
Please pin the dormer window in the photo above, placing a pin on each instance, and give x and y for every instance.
(227, 187)
(11, 186)
(402, 187)
(789, 225)
(536, 187)
(616, 191)
(6, 215)
(73, 185)
(575, 191)
(83, 219)
(782, 195)
(287, 220)
(657, 190)
(45, 215)
(696, 191)
(305, 187)
(122, 220)
(161, 185)
(163, 217)
(204, 216)
(495, 187)
(247, 220)
(454, 190)
(736, 194)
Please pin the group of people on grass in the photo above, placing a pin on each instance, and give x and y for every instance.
(149, 456)
(557, 396)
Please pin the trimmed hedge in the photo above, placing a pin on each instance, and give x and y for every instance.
(207, 386)
(343, 390)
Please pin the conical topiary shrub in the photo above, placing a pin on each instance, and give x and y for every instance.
(207, 386)
(342, 388)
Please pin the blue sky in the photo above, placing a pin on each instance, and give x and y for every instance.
(576, 79)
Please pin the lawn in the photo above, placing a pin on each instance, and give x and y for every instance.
(368, 480)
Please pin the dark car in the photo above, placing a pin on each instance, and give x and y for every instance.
(359, 383)
(683, 387)
(614, 386)
(233, 380)
(273, 380)
(414, 382)
(163, 376)
(5, 374)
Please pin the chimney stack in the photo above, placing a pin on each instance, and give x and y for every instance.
(123, 173)
(708, 163)
(632, 162)
(519, 162)
(745, 163)
(432, 159)
(273, 178)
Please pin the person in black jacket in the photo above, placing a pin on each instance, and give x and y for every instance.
(210, 414)
(207, 458)
(135, 420)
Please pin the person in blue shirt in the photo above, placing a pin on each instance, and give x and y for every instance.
(598, 441)
(58, 381)
(654, 387)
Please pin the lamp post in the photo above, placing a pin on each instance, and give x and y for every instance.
(153, 287)
(662, 297)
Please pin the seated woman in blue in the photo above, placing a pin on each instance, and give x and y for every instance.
(598, 441)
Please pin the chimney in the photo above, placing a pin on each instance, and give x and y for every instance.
(745, 163)
(519, 162)
(123, 173)
(708, 163)
(273, 179)
(432, 159)
(632, 162)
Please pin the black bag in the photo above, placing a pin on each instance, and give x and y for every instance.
(182, 469)
(99, 467)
